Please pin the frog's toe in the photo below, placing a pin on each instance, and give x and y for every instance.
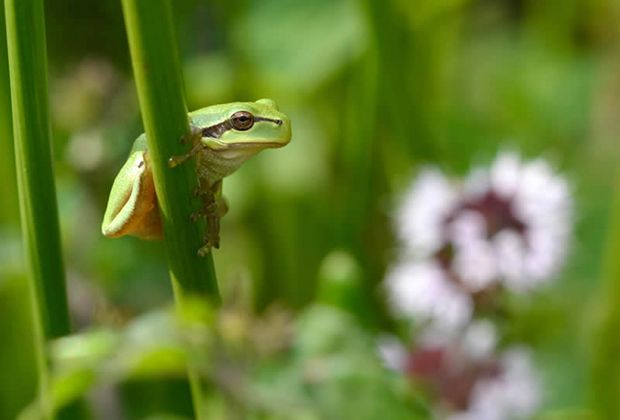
(195, 216)
(198, 191)
(206, 247)
(175, 161)
(204, 250)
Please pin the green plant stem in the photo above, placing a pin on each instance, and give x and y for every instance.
(162, 102)
(37, 192)
(35, 176)
(27, 59)
(606, 367)
(160, 91)
(9, 211)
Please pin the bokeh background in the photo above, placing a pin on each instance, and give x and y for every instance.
(375, 89)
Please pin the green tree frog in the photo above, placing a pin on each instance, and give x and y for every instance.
(222, 138)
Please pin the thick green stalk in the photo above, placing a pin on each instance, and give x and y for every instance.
(9, 210)
(37, 194)
(162, 102)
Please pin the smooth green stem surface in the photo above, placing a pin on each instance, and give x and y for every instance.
(160, 91)
(9, 211)
(32, 133)
(162, 102)
(25, 29)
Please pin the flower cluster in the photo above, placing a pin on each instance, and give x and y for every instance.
(502, 229)
(466, 375)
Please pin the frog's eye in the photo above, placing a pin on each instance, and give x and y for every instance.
(242, 120)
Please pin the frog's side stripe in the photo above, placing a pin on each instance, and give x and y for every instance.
(216, 131)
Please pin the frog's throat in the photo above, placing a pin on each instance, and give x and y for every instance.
(215, 164)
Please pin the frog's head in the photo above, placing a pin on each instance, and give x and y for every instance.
(243, 127)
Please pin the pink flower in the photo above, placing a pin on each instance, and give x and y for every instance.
(504, 227)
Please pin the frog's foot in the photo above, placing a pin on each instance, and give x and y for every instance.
(210, 208)
(177, 160)
(200, 191)
(211, 238)
(202, 214)
(195, 216)
(206, 248)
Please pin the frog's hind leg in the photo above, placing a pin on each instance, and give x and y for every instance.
(132, 208)
(213, 207)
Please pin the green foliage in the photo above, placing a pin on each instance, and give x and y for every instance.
(334, 371)
(375, 90)
(320, 366)
(334, 34)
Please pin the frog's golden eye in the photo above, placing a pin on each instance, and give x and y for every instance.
(242, 120)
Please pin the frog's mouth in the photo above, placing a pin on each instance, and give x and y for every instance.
(248, 145)
(272, 120)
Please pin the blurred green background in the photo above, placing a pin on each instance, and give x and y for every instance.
(374, 89)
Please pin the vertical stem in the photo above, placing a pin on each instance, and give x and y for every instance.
(359, 222)
(391, 42)
(9, 211)
(32, 131)
(162, 102)
(606, 365)
(37, 195)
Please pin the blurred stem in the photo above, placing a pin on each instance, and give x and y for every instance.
(415, 64)
(389, 42)
(9, 211)
(552, 23)
(358, 152)
(162, 102)
(435, 44)
(359, 222)
(397, 90)
(606, 363)
(37, 194)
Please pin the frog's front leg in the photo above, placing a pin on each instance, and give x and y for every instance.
(193, 137)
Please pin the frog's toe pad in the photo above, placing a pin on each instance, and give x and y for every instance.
(197, 215)
(204, 250)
